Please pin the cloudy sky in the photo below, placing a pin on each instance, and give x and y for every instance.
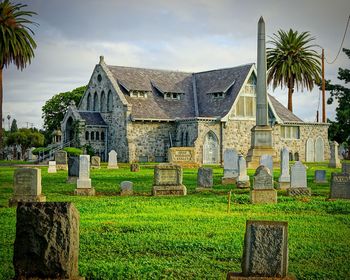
(189, 35)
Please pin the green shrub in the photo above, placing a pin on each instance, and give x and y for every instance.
(73, 151)
(38, 150)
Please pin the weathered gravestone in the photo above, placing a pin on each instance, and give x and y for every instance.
(334, 161)
(345, 167)
(134, 167)
(26, 186)
(73, 169)
(52, 167)
(61, 160)
(84, 181)
(319, 149)
(267, 161)
(183, 156)
(95, 162)
(168, 180)
(230, 167)
(265, 252)
(340, 186)
(284, 179)
(47, 241)
(112, 160)
(298, 182)
(243, 178)
(320, 177)
(204, 178)
(126, 188)
(263, 191)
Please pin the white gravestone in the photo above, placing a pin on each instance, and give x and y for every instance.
(84, 181)
(334, 161)
(52, 167)
(112, 160)
(319, 149)
(310, 150)
(243, 178)
(267, 161)
(230, 166)
(284, 179)
(298, 182)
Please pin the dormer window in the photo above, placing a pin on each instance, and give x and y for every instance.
(218, 94)
(138, 94)
(172, 96)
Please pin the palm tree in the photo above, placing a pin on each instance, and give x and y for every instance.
(16, 44)
(292, 62)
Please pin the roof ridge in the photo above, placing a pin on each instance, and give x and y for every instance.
(154, 69)
(226, 68)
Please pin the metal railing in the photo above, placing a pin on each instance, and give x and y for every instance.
(49, 154)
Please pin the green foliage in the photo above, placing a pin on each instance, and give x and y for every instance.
(73, 151)
(38, 150)
(292, 62)
(14, 127)
(89, 150)
(189, 237)
(25, 138)
(56, 107)
(340, 128)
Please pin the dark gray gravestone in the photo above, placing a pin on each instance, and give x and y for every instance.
(73, 169)
(345, 167)
(265, 249)
(340, 186)
(47, 241)
(320, 176)
(126, 188)
(204, 178)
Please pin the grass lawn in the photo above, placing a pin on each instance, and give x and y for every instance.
(190, 237)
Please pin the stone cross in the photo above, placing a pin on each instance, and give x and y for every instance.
(298, 182)
(112, 160)
(284, 179)
(267, 161)
(50, 232)
(26, 186)
(204, 178)
(334, 161)
(230, 166)
(52, 167)
(243, 178)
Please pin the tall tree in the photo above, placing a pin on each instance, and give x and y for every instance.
(292, 62)
(14, 127)
(56, 107)
(340, 128)
(16, 42)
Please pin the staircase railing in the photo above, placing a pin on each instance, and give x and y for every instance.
(49, 154)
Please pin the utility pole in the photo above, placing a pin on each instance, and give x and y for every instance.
(323, 91)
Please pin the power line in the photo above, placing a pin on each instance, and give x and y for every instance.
(342, 42)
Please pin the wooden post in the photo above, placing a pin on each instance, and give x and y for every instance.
(323, 91)
(228, 201)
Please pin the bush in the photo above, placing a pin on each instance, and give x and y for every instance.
(38, 150)
(73, 151)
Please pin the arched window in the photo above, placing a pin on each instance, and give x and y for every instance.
(97, 136)
(290, 156)
(187, 140)
(95, 102)
(88, 102)
(87, 135)
(92, 135)
(109, 101)
(103, 102)
(296, 156)
(182, 139)
(102, 136)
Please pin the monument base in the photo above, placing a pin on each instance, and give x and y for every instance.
(203, 189)
(283, 185)
(51, 170)
(126, 193)
(28, 198)
(61, 166)
(298, 191)
(228, 180)
(321, 182)
(83, 183)
(239, 276)
(243, 184)
(85, 191)
(72, 179)
(263, 196)
(169, 190)
(112, 167)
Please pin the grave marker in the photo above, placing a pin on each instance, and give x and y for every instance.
(267, 161)
(168, 180)
(61, 160)
(320, 177)
(73, 169)
(263, 191)
(334, 161)
(112, 160)
(298, 182)
(134, 167)
(243, 178)
(183, 156)
(284, 179)
(230, 167)
(340, 186)
(126, 188)
(204, 178)
(84, 181)
(345, 167)
(95, 162)
(52, 167)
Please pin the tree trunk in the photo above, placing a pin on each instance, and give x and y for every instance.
(290, 95)
(1, 133)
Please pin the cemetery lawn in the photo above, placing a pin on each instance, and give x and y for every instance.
(190, 237)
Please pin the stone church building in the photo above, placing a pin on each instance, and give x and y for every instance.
(141, 113)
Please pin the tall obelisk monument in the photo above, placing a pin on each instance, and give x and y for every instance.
(261, 133)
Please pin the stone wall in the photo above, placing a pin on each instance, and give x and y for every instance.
(149, 141)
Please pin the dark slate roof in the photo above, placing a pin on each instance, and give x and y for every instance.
(284, 114)
(92, 118)
(155, 106)
(219, 81)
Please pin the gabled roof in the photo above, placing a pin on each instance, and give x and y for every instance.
(92, 118)
(283, 113)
